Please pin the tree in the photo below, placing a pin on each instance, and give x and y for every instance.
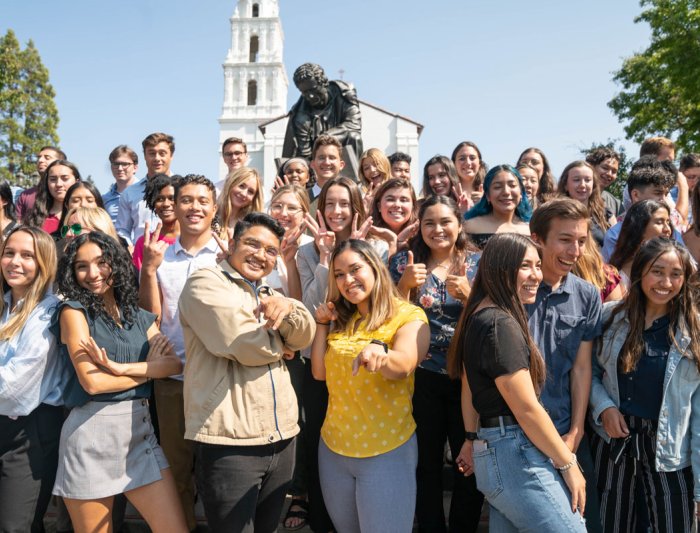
(28, 114)
(661, 85)
(625, 164)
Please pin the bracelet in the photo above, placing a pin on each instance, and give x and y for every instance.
(322, 323)
(568, 465)
(471, 436)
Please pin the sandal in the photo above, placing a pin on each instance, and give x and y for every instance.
(302, 514)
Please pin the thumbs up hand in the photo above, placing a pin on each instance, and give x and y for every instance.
(458, 285)
(414, 275)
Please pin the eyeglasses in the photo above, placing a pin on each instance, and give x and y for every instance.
(229, 155)
(118, 164)
(75, 229)
(270, 251)
(291, 209)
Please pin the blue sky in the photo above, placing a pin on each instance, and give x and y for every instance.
(504, 74)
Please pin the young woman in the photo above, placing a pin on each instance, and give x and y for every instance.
(580, 182)
(522, 466)
(242, 194)
(643, 221)
(531, 182)
(440, 178)
(471, 169)
(431, 274)
(394, 209)
(80, 194)
(32, 377)
(691, 238)
(504, 208)
(59, 177)
(159, 196)
(536, 159)
(645, 396)
(606, 278)
(80, 220)
(368, 343)
(7, 210)
(375, 169)
(115, 350)
(296, 170)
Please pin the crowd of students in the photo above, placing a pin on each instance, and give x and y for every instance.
(178, 338)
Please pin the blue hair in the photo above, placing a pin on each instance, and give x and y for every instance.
(484, 207)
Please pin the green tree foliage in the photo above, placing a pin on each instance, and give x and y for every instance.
(625, 164)
(661, 85)
(28, 114)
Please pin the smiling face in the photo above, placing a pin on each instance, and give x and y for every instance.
(579, 184)
(73, 222)
(235, 156)
(529, 276)
(663, 279)
(439, 228)
(195, 209)
(467, 162)
(562, 247)
(401, 170)
(354, 277)
(659, 225)
(254, 253)
(242, 194)
(371, 172)
(18, 263)
(164, 205)
(607, 171)
(504, 193)
(82, 197)
(123, 169)
(60, 179)
(395, 207)
(535, 160)
(439, 179)
(531, 182)
(297, 173)
(287, 210)
(337, 210)
(92, 271)
(327, 163)
(158, 158)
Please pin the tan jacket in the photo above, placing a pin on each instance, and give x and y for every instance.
(237, 387)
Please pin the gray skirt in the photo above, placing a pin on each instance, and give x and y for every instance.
(107, 448)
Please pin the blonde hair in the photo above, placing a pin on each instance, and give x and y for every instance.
(380, 160)
(95, 218)
(384, 297)
(590, 265)
(296, 190)
(232, 180)
(46, 262)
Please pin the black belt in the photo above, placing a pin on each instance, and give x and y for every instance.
(496, 421)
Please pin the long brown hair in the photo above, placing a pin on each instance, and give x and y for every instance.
(596, 205)
(682, 308)
(496, 279)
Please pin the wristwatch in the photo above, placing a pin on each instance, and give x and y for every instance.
(380, 343)
(470, 435)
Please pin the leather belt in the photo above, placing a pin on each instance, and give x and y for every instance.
(497, 421)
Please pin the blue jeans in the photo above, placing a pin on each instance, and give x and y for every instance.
(524, 490)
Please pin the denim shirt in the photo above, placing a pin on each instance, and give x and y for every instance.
(678, 433)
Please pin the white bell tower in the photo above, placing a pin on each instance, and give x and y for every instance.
(255, 81)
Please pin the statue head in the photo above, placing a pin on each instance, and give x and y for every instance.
(312, 83)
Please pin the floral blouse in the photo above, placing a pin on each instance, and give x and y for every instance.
(442, 310)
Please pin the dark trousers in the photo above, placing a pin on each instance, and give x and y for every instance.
(297, 375)
(437, 411)
(622, 465)
(315, 406)
(585, 459)
(28, 463)
(243, 487)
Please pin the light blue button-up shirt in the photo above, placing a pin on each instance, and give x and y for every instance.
(134, 213)
(111, 201)
(31, 371)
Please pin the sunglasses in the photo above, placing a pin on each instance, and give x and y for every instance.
(75, 229)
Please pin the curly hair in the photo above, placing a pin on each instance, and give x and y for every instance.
(122, 278)
(310, 71)
(156, 184)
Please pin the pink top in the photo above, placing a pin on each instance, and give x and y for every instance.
(50, 224)
(137, 256)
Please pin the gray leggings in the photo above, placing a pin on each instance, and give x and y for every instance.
(371, 493)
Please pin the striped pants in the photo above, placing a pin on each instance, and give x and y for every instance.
(623, 463)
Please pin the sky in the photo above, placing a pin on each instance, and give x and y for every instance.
(505, 74)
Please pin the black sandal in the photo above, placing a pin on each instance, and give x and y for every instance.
(302, 514)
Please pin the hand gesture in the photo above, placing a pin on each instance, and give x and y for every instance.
(224, 249)
(387, 235)
(325, 239)
(407, 233)
(614, 423)
(368, 198)
(372, 357)
(159, 346)
(153, 248)
(99, 356)
(279, 182)
(414, 274)
(274, 309)
(458, 285)
(464, 201)
(464, 461)
(290, 243)
(361, 232)
(326, 313)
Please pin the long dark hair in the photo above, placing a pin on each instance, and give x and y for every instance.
(6, 195)
(682, 307)
(44, 201)
(66, 201)
(546, 180)
(449, 167)
(632, 230)
(122, 279)
(496, 279)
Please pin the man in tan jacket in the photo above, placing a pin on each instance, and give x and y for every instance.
(240, 407)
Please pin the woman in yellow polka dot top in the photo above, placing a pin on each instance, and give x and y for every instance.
(368, 343)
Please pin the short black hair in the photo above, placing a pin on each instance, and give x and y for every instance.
(601, 153)
(397, 157)
(196, 179)
(258, 219)
(647, 173)
(156, 184)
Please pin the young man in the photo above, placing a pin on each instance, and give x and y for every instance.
(606, 163)
(158, 150)
(240, 407)
(124, 164)
(400, 165)
(326, 162)
(235, 154)
(25, 201)
(564, 321)
(164, 272)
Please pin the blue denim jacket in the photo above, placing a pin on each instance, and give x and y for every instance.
(678, 434)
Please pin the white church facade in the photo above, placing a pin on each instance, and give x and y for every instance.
(255, 96)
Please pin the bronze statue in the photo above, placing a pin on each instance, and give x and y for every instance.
(329, 107)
